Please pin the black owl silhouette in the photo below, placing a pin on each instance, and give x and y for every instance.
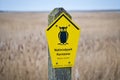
(63, 35)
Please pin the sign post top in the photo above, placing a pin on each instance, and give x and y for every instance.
(55, 13)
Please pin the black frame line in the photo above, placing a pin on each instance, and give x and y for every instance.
(67, 19)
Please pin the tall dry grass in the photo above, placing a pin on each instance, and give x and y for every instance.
(24, 51)
(98, 59)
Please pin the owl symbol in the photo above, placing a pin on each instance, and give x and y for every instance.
(63, 35)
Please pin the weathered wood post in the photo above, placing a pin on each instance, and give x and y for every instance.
(57, 73)
(63, 36)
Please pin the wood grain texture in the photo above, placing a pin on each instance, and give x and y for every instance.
(57, 73)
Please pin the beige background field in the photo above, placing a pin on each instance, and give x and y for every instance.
(24, 50)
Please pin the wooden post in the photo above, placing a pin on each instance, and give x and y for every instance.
(57, 73)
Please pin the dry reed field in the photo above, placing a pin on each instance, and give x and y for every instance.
(24, 50)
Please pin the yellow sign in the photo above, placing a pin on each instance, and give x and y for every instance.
(63, 36)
